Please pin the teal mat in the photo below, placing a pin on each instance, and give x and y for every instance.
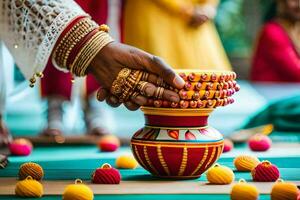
(70, 162)
(144, 197)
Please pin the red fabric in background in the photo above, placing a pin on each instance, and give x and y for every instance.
(275, 58)
(57, 83)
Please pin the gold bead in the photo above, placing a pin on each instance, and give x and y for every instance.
(104, 28)
(39, 74)
(32, 80)
(31, 85)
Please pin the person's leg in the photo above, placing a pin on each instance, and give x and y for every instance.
(93, 114)
(5, 137)
(56, 87)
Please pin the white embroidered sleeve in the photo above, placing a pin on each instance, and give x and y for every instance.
(30, 29)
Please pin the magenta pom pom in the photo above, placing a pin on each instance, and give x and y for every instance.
(259, 142)
(106, 175)
(228, 145)
(20, 147)
(265, 172)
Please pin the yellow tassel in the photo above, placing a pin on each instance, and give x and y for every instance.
(245, 162)
(29, 188)
(78, 191)
(219, 174)
(284, 191)
(244, 191)
(126, 162)
(31, 169)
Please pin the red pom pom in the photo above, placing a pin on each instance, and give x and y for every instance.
(106, 175)
(109, 143)
(298, 197)
(259, 142)
(228, 145)
(265, 172)
(20, 147)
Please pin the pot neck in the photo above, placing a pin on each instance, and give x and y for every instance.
(175, 121)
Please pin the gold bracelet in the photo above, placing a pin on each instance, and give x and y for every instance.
(88, 52)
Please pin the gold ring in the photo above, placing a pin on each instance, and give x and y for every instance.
(145, 76)
(119, 82)
(141, 87)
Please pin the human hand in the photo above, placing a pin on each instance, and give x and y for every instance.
(116, 56)
(198, 18)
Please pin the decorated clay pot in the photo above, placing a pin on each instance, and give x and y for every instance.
(177, 143)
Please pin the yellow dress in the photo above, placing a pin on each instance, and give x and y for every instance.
(158, 27)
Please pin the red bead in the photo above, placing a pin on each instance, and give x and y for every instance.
(193, 104)
(198, 86)
(157, 103)
(174, 104)
(265, 172)
(191, 76)
(166, 104)
(213, 77)
(182, 94)
(184, 104)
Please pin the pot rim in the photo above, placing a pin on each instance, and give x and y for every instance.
(176, 111)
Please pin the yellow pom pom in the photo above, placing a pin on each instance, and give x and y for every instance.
(78, 191)
(31, 169)
(219, 174)
(126, 162)
(284, 191)
(244, 191)
(245, 162)
(29, 188)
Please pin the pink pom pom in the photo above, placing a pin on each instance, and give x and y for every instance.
(228, 145)
(298, 197)
(265, 172)
(109, 143)
(106, 175)
(20, 147)
(259, 142)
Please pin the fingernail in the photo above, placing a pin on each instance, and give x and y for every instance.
(178, 82)
(174, 98)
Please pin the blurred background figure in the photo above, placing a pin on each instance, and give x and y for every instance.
(56, 86)
(277, 54)
(176, 30)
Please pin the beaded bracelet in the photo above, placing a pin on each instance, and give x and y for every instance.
(79, 45)
(197, 86)
(205, 77)
(210, 103)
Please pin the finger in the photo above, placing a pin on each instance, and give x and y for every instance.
(113, 101)
(149, 90)
(131, 106)
(140, 59)
(157, 66)
(139, 100)
(102, 94)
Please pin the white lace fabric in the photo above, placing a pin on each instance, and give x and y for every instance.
(30, 29)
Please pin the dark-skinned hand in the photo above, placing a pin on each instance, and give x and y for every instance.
(197, 19)
(115, 56)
